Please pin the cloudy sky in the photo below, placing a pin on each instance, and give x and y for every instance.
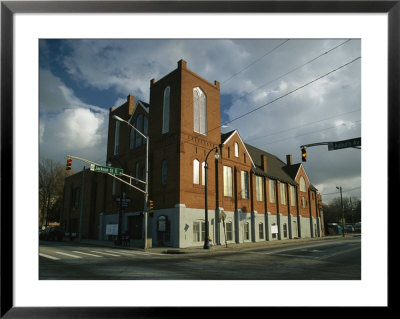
(279, 94)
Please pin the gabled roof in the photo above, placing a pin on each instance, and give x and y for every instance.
(276, 169)
(226, 137)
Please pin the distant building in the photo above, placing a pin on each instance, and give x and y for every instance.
(261, 197)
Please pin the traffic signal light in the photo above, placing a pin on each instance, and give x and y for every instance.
(151, 206)
(69, 162)
(303, 154)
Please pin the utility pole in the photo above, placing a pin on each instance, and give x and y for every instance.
(82, 199)
(341, 202)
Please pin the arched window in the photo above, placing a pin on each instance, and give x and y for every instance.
(131, 139)
(166, 109)
(236, 149)
(196, 172)
(302, 184)
(145, 128)
(200, 111)
(139, 126)
(203, 173)
(116, 138)
(164, 172)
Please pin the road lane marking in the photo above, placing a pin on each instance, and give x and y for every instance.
(65, 254)
(340, 252)
(48, 256)
(100, 252)
(138, 253)
(81, 252)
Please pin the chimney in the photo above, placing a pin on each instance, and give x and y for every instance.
(131, 103)
(264, 162)
(181, 64)
(289, 160)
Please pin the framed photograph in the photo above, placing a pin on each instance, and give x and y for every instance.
(147, 39)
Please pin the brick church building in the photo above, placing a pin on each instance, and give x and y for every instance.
(252, 195)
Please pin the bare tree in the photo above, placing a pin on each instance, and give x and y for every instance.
(51, 186)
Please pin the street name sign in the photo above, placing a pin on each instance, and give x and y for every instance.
(106, 169)
(354, 142)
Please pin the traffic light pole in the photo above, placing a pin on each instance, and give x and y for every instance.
(351, 143)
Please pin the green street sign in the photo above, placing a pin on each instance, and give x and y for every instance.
(106, 169)
(353, 142)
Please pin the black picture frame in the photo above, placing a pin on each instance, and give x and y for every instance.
(9, 8)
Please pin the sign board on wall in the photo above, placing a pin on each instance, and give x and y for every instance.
(274, 229)
(112, 229)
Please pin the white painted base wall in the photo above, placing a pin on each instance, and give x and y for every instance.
(245, 226)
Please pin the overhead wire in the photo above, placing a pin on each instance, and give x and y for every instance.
(290, 92)
(254, 62)
(305, 124)
(309, 133)
(291, 71)
(280, 97)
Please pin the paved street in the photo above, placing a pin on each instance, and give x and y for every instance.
(334, 259)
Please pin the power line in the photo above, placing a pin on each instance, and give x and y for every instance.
(343, 191)
(325, 129)
(254, 62)
(291, 71)
(280, 97)
(309, 123)
(286, 94)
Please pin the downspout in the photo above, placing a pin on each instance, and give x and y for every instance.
(309, 206)
(298, 213)
(278, 219)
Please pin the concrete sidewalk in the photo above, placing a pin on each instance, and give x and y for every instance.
(214, 248)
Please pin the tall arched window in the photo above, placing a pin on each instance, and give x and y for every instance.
(116, 138)
(236, 149)
(145, 128)
(164, 172)
(203, 173)
(166, 108)
(200, 111)
(131, 139)
(302, 184)
(196, 172)
(139, 126)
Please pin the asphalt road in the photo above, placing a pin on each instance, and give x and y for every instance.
(336, 259)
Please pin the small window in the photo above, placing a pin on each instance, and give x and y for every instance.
(196, 231)
(261, 231)
(229, 231)
(199, 231)
(246, 231)
(285, 230)
(196, 172)
(271, 191)
(236, 149)
(303, 202)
